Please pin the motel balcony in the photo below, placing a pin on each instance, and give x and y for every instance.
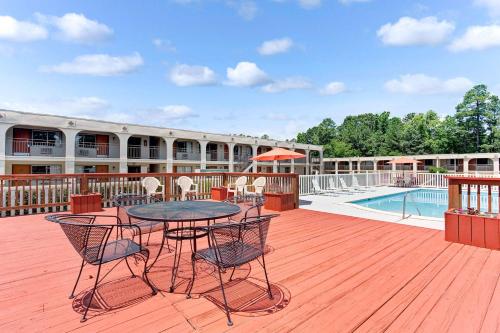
(141, 152)
(97, 150)
(31, 147)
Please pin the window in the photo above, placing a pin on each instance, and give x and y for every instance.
(48, 137)
(45, 169)
(86, 139)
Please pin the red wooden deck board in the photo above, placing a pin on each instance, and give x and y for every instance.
(337, 273)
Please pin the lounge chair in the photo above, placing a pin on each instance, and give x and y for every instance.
(356, 186)
(344, 188)
(318, 190)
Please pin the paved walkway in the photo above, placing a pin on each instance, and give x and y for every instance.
(340, 204)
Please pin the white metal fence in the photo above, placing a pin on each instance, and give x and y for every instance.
(384, 178)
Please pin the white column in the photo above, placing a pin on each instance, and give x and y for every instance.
(144, 169)
(123, 151)
(169, 143)
(292, 164)
(393, 166)
(321, 164)
(3, 142)
(375, 165)
(336, 167)
(415, 167)
(203, 154)
(466, 165)
(70, 142)
(254, 153)
(275, 167)
(230, 146)
(496, 164)
(350, 166)
(308, 169)
(438, 163)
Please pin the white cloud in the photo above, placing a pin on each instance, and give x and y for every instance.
(287, 84)
(175, 112)
(186, 75)
(424, 84)
(410, 31)
(277, 116)
(20, 31)
(347, 2)
(247, 9)
(77, 28)
(164, 45)
(246, 74)
(493, 6)
(98, 65)
(275, 46)
(477, 38)
(309, 4)
(333, 88)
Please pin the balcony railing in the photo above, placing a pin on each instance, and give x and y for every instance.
(134, 152)
(96, 150)
(28, 147)
(179, 155)
(242, 158)
(481, 167)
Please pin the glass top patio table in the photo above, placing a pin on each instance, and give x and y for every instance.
(183, 211)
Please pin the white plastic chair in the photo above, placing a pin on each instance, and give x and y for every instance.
(258, 186)
(238, 186)
(151, 185)
(187, 187)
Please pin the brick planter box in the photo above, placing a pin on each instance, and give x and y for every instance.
(279, 201)
(86, 203)
(476, 230)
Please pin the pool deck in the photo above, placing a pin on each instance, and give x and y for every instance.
(340, 204)
(329, 273)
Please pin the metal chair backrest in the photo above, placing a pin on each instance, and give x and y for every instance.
(123, 201)
(239, 243)
(185, 183)
(88, 239)
(259, 184)
(150, 184)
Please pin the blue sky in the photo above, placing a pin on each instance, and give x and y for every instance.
(243, 66)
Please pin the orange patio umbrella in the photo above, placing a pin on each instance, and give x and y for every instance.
(404, 160)
(278, 154)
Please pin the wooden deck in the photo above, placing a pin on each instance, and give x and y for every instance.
(330, 273)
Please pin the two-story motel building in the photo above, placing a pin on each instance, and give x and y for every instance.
(35, 143)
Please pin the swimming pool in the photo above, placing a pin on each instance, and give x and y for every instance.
(425, 202)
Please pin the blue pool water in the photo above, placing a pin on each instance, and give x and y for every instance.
(431, 203)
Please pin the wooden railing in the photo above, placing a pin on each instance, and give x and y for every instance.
(479, 193)
(29, 194)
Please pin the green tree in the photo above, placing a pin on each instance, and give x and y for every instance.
(322, 134)
(473, 115)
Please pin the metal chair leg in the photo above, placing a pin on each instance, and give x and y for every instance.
(226, 308)
(193, 266)
(145, 275)
(84, 318)
(72, 295)
(129, 268)
(232, 273)
(267, 280)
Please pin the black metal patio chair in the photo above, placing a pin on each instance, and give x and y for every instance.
(123, 201)
(233, 245)
(90, 237)
(250, 207)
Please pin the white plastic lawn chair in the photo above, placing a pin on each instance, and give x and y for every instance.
(238, 187)
(151, 185)
(187, 187)
(258, 187)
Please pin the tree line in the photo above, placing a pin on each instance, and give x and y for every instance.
(473, 128)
